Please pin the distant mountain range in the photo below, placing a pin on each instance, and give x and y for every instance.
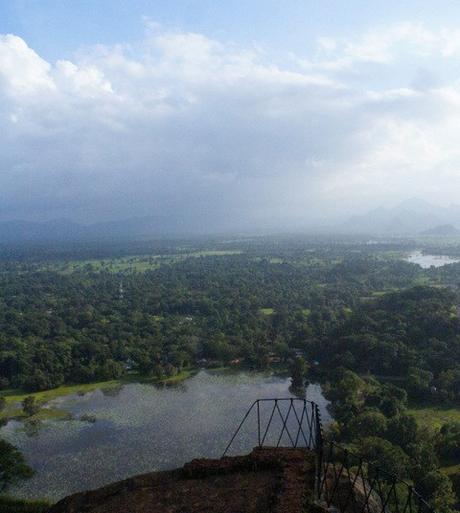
(411, 217)
(443, 230)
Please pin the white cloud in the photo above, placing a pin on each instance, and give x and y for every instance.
(86, 81)
(198, 130)
(386, 44)
(22, 71)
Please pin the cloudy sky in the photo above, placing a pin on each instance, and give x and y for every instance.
(226, 114)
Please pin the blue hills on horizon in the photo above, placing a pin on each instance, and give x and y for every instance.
(411, 217)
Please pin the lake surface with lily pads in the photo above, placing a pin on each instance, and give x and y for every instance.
(142, 428)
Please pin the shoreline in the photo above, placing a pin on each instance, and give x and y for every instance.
(14, 397)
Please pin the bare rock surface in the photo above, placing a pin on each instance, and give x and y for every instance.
(268, 480)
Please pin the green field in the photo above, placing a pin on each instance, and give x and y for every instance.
(16, 396)
(453, 470)
(138, 263)
(267, 311)
(435, 416)
(271, 311)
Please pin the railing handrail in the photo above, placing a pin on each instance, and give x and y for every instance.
(256, 403)
(391, 477)
(324, 462)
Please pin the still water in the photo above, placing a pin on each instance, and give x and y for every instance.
(141, 428)
(426, 261)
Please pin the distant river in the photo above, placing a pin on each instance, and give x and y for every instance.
(141, 428)
(426, 261)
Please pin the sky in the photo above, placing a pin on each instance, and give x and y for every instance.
(221, 115)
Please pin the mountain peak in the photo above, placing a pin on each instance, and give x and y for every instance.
(410, 217)
(443, 230)
(416, 205)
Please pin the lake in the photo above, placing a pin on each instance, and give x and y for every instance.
(426, 261)
(141, 428)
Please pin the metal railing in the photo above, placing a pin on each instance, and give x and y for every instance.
(343, 480)
(351, 484)
(289, 422)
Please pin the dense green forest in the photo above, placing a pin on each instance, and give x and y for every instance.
(380, 333)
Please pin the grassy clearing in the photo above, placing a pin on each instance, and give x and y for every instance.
(52, 414)
(435, 416)
(214, 253)
(222, 368)
(378, 294)
(16, 396)
(267, 311)
(11, 413)
(43, 414)
(452, 470)
(13, 409)
(138, 263)
(177, 378)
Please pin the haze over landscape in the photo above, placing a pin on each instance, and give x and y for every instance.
(229, 256)
(214, 117)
